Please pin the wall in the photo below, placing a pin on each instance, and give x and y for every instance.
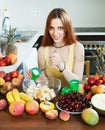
(31, 14)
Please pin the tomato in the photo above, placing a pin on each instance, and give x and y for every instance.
(14, 74)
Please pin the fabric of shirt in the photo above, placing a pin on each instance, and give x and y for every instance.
(53, 72)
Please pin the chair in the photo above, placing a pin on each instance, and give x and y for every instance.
(87, 68)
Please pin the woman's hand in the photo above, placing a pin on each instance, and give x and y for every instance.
(29, 74)
(56, 61)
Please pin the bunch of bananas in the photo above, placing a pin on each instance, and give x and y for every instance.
(15, 95)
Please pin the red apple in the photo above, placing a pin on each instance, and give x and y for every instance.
(91, 80)
(87, 87)
(7, 60)
(8, 77)
(2, 63)
(2, 74)
(14, 74)
(3, 104)
(98, 82)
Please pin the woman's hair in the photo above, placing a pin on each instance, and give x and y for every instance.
(60, 13)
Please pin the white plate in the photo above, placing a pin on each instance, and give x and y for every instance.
(74, 113)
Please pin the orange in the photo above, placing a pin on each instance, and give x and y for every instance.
(103, 78)
(96, 76)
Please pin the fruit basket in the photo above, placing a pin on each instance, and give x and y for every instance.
(9, 63)
(9, 68)
(42, 90)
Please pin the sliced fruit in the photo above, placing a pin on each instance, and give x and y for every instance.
(46, 106)
(51, 114)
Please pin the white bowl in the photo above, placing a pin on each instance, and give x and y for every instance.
(98, 102)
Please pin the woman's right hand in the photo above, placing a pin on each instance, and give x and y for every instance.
(29, 74)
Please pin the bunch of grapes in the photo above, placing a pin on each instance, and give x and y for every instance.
(73, 102)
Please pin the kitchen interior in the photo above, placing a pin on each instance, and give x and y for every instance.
(87, 18)
(29, 17)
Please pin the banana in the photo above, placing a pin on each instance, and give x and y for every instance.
(10, 97)
(25, 96)
(22, 101)
(15, 94)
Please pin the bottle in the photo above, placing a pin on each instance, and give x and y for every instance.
(5, 23)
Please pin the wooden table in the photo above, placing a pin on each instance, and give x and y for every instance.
(40, 122)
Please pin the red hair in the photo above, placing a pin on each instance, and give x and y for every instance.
(60, 13)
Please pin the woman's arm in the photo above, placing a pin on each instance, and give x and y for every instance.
(41, 61)
(78, 65)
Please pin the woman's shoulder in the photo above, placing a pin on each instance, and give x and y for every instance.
(79, 46)
(78, 49)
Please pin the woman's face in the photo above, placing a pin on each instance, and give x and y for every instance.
(56, 31)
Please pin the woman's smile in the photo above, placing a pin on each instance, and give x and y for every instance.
(56, 31)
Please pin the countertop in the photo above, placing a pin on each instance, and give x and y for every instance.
(40, 122)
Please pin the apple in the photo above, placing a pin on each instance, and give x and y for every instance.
(7, 86)
(3, 104)
(21, 76)
(14, 74)
(87, 87)
(16, 82)
(16, 108)
(7, 60)
(2, 74)
(2, 63)
(91, 81)
(98, 82)
(8, 77)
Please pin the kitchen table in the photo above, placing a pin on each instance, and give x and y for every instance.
(40, 122)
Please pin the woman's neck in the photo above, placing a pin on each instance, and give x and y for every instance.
(58, 46)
